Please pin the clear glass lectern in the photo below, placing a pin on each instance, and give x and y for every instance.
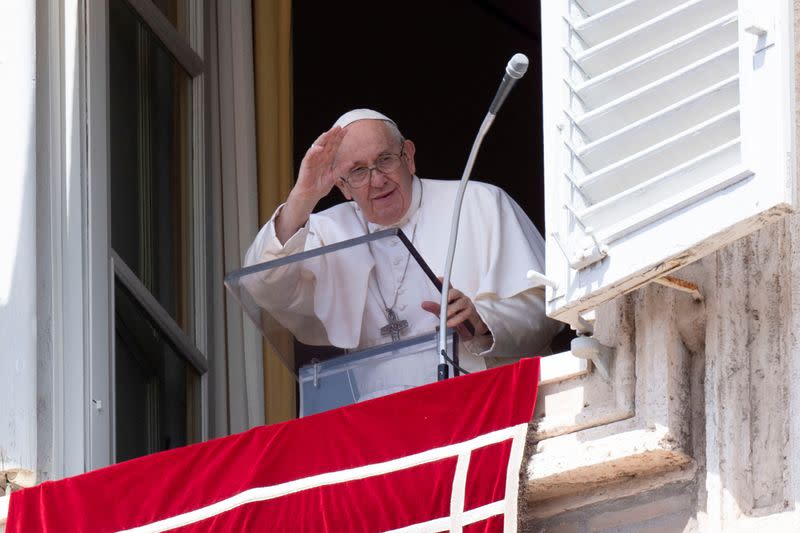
(346, 318)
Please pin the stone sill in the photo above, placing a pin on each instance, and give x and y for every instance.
(565, 474)
(18, 478)
(3, 511)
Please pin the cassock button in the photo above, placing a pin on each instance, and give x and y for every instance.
(402, 307)
(396, 261)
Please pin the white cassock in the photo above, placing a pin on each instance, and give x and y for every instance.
(497, 244)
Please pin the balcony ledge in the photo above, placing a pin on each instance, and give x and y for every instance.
(564, 473)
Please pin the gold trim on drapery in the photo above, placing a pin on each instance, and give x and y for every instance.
(272, 56)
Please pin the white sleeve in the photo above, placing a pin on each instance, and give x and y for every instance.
(518, 324)
(285, 292)
(266, 246)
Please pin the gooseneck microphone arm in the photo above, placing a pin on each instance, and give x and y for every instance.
(514, 70)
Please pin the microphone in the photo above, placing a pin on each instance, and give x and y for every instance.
(514, 70)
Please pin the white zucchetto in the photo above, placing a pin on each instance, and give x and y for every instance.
(360, 114)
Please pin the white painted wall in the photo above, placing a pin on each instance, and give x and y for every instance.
(18, 288)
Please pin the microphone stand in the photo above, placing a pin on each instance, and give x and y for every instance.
(442, 370)
(516, 69)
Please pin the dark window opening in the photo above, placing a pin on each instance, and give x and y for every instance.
(433, 67)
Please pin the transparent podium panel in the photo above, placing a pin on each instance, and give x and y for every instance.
(350, 311)
(368, 374)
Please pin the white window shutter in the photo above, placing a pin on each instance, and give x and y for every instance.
(668, 132)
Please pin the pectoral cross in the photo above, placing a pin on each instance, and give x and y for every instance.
(394, 327)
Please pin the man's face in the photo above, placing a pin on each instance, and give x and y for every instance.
(384, 198)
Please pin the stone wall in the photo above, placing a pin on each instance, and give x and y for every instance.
(719, 382)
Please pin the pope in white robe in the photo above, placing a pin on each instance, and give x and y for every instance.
(345, 299)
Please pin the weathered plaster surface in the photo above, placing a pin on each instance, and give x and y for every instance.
(656, 332)
(717, 382)
(748, 363)
(3, 512)
(588, 400)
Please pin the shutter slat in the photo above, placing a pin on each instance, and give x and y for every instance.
(618, 19)
(629, 202)
(655, 32)
(666, 123)
(658, 63)
(666, 206)
(647, 100)
(660, 157)
(594, 7)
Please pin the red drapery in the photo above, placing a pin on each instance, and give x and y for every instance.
(444, 456)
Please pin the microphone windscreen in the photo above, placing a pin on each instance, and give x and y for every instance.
(517, 66)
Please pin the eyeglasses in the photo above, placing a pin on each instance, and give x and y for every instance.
(385, 164)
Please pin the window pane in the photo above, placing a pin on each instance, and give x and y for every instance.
(156, 390)
(150, 171)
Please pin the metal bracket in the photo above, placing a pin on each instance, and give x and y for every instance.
(755, 24)
(540, 279)
(761, 27)
(591, 254)
(588, 256)
(316, 375)
(681, 285)
(587, 347)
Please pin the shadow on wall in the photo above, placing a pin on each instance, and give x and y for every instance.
(670, 508)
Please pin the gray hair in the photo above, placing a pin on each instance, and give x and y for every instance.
(394, 131)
